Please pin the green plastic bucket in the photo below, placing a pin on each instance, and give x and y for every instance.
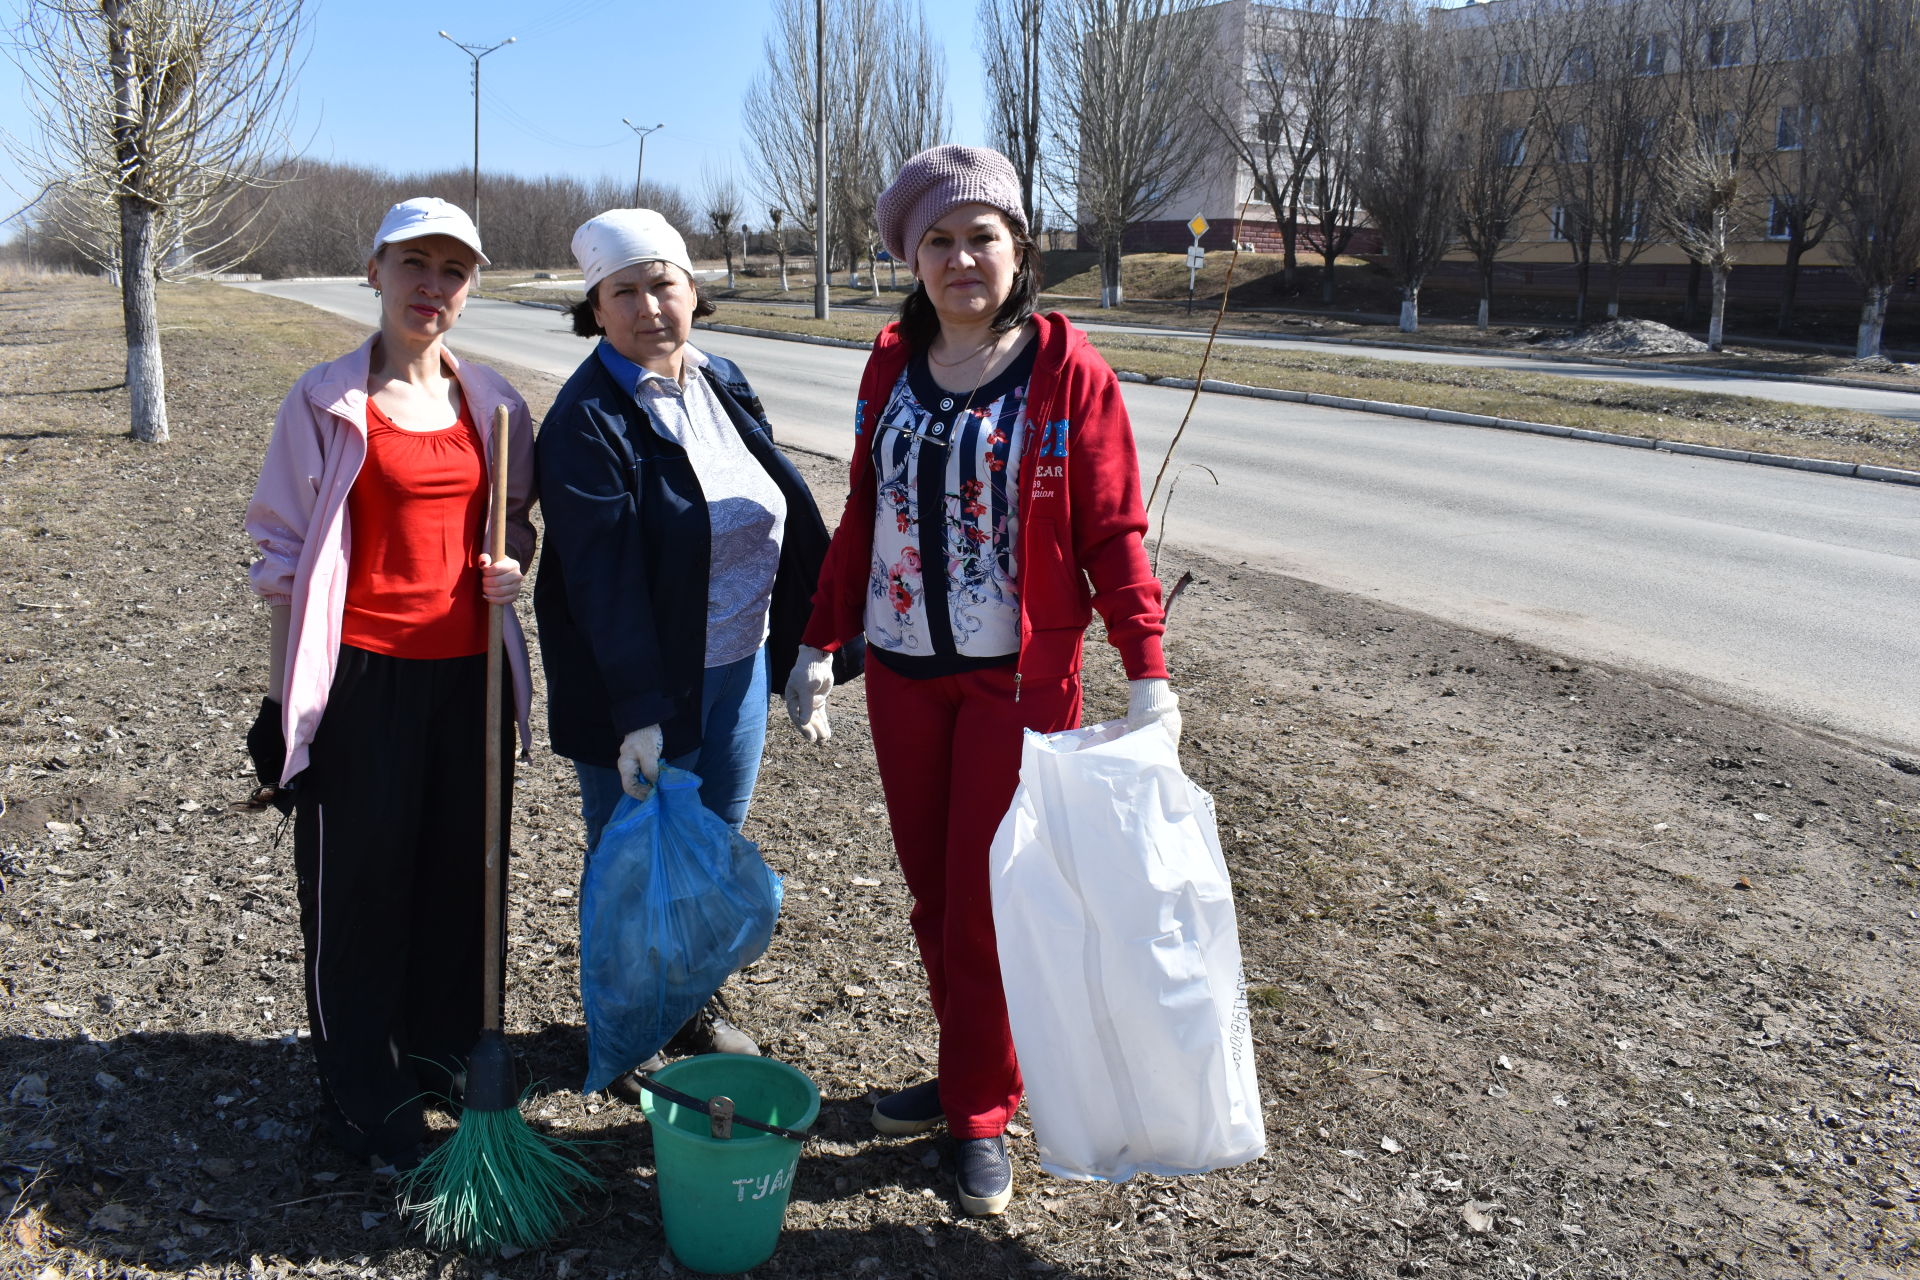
(722, 1201)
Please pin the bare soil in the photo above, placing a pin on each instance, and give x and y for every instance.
(1555, 971)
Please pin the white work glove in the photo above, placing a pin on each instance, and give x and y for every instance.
(1151, 700)
(807, 689)
(639, 761)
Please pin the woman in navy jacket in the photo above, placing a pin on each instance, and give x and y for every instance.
(681, 554)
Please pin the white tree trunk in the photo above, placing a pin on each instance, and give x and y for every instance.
(1873, 320)
(1481, 321)
(783, 273)
(146, 375)
(1410, 309)
(1111, 294)
(1717, 325)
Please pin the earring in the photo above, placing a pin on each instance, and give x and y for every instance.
(376, 293)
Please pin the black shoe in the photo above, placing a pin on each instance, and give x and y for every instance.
(627, 1087)
(910, 1111)
(708, 1031)
(394, 1167)
(985, 1175)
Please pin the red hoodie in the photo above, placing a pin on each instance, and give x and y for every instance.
(1081, 519)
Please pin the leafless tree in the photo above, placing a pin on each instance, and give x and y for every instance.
(1409, 153)
(779, 113)
(1501, 132)
(153, 115)
(913, 104)
(1289, 100)
(1729, 72)
(779, 109)
(1295, 118)
(913, 107)
(1870, 147)
(1343, 43)
(1798, 211)
(319, 219)
(720, 206)
(1012, 36)
(776, 215)
(1127, 125)
(1605, 108)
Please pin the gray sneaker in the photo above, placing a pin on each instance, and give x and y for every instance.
(985, 1175)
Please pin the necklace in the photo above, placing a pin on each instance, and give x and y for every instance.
(994, 341)
(979, 382)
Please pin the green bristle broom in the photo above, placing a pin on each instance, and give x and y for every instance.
(497, 1181)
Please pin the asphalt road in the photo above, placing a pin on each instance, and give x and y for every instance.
(1904, 405)
(1795, 593)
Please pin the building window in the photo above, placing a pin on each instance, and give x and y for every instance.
(1573, 144)
(1579, 66)
(1513, 71)
(1636, 228)
(1565, 223)
(1272, 127)
(1513, 147)
(1726, 45)
(1650, 55)
(1646, 139)
(1780, 219)
(1719, 132)
(1794, 126)
(1805, 38)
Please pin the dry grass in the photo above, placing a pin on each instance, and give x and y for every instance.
(1726, 421)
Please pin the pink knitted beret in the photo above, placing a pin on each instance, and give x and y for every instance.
(934, 183)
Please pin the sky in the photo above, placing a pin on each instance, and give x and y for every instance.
(380, 88)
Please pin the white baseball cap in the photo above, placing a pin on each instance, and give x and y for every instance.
(429, 216)
(619, 238)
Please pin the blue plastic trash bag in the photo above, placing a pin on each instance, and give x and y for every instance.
(673, 901)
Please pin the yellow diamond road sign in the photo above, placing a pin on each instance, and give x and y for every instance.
(1198, 226)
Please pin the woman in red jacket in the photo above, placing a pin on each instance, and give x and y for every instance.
(995, 504)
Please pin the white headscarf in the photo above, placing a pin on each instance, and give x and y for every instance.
(619, 238)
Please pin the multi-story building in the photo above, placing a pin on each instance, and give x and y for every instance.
(1593, 93)
(1599, 96)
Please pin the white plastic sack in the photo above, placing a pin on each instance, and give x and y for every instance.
(1121, 961)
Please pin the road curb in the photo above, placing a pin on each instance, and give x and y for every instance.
(1560, 357)
(1825, 466)
(812, 339)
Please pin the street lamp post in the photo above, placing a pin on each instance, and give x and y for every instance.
(821, 305)
(477, 53)
(641, 167)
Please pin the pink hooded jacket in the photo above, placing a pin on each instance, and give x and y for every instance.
(298, 519)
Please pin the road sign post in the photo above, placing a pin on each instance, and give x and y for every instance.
(1196, 256)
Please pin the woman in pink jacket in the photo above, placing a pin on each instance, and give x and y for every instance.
(369, 516)
(995, 505)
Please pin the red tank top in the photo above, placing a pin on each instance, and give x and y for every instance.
(414, 522)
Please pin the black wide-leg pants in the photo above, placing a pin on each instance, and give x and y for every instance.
(388, 844)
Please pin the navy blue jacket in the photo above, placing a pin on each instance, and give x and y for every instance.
(621, 597)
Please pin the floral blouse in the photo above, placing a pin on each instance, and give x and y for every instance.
(942, 595)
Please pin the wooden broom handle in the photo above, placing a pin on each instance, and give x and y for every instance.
(494, 1009)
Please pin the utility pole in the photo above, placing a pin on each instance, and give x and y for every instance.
(641, 167)
(820, 304)
(477, 53)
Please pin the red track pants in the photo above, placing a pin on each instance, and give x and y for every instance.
(949, 754)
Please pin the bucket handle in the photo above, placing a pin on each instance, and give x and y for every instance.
(692, 1103)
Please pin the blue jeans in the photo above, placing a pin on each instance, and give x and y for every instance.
(733, 730)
